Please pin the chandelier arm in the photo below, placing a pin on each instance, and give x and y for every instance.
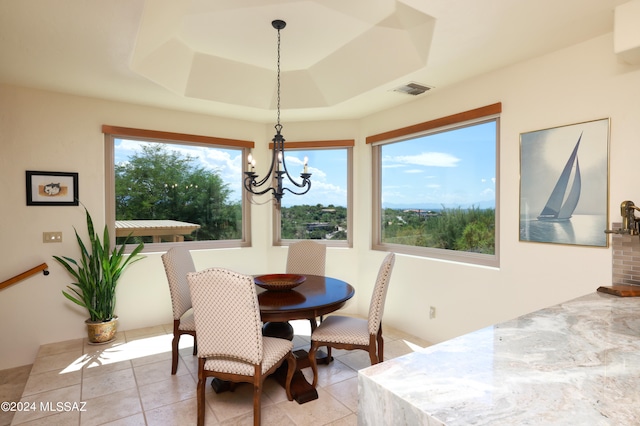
(251, 186)
(267, 177)
(292, 180)
(270, 173)
(307, 181)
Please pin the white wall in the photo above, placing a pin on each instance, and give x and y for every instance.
(578, 84)
(53, 132)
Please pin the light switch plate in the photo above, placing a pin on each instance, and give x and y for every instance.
(52, 237)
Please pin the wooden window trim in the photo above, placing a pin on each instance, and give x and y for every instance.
(124, 132)
(461, 117)
(342, 143)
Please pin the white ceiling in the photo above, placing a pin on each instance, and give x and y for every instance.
(339, 58)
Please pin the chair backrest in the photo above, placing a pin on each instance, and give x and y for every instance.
(177, 264)
(376, 308)
(227, 315)
(306, 257)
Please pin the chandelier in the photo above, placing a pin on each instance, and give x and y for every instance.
(278, 169)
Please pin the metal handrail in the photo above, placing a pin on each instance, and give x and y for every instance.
(42, 267)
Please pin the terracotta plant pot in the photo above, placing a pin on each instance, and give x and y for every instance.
(99, 332)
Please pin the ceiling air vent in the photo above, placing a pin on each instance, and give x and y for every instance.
(412, 89)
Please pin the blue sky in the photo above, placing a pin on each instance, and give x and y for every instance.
(454, 168)
(328, 170)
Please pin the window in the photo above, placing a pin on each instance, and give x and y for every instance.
(435, 188)
(324, 213)
(174, 188)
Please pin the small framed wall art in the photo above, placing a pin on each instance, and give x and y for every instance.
(52, 188)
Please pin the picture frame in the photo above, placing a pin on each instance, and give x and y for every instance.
(564, 184)
(51, 188)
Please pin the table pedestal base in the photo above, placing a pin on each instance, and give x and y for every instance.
(282, 330)
(220, 386)
(301, 390)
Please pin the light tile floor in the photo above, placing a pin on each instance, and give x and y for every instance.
(129, 382)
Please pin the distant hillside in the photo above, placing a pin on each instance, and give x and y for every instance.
(437, 207)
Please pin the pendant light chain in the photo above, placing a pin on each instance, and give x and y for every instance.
(278, 126)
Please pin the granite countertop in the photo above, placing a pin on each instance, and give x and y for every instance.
(573, 363)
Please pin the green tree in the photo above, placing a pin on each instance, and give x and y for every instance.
(158, 183)
(304, 222)
(471, 230)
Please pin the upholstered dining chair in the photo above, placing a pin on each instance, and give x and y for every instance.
(177, 264)
(230, 342)
(349, 333)
(306, 257)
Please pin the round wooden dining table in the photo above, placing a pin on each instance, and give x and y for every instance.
(315, 297)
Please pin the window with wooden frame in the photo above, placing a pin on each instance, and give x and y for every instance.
(324, 213)
(436, 186)
(170, 188)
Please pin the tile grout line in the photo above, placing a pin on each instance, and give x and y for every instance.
(186, 362)
(135, 380)
(84, 350)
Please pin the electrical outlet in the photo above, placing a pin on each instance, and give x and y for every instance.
(52, 237)
(432, 312)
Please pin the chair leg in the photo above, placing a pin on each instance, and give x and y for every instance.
(256, 405)
(372, 349)
(200, 391)
(174, 353)
(195, 346)
(312, 361)
(257, 393)
(372, 355)
(380, 345)
(291, 364)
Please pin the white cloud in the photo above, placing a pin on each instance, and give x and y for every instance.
(429, 159)
(488, 193)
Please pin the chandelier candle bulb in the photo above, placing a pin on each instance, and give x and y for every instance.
(306, 163)
(251, 162)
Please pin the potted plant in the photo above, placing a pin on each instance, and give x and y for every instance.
(96, 274)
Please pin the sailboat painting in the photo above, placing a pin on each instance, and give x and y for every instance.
(564, 184)
(557, 207)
